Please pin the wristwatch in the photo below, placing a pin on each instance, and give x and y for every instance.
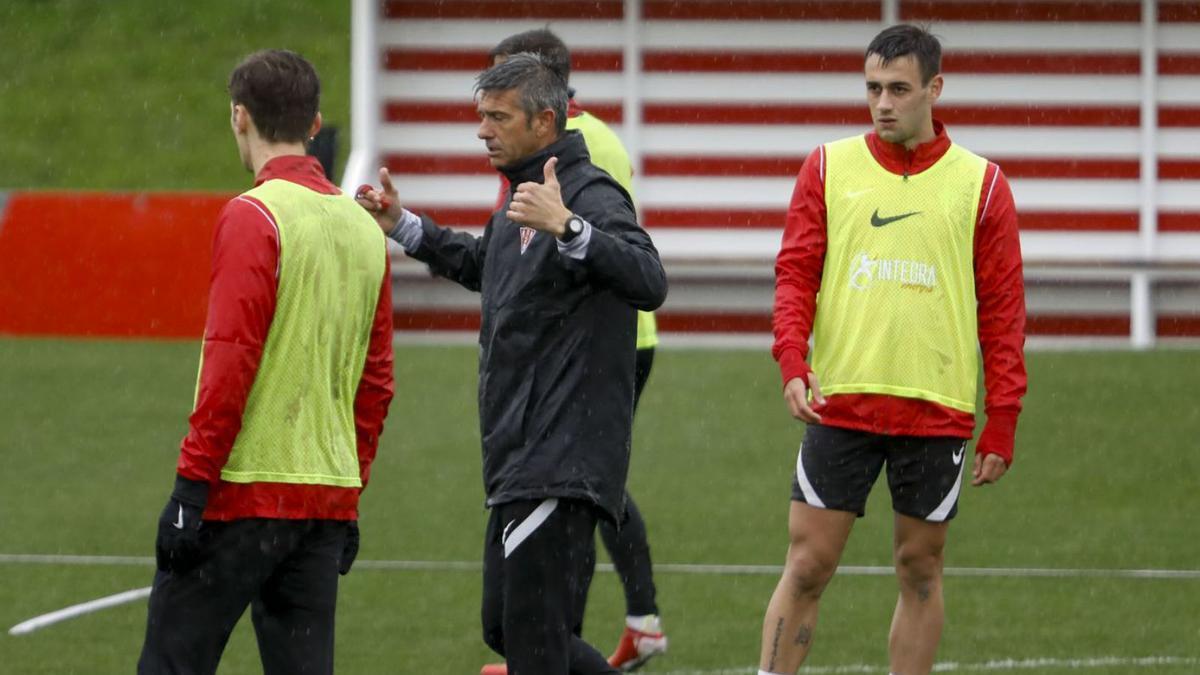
(573, 228)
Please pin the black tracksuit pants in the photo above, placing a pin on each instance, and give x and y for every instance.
(285, 570)
(537, 559)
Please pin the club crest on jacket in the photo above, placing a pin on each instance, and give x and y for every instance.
(526, 237)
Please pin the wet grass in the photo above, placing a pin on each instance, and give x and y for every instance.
(1104, 478)
(130, 94)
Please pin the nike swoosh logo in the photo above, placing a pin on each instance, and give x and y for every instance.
(876, 221)
(179, 523)
(958, 456)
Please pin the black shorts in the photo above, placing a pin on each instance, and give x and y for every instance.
(836, 468)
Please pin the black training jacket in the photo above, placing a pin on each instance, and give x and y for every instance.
(557, 341)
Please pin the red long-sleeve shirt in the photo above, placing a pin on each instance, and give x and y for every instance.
(241, 306)
(999, 290)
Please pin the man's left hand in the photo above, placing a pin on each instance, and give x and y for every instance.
(349, 549)
(177, 546)
(987, 469)
(540, 205)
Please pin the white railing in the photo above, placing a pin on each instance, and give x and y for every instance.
(365, 101)
(1141, 311)
(1140, 260)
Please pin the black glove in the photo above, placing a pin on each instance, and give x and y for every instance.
(350, 550)
(177, 547)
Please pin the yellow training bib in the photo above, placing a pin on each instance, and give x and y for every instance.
(896, 313)
(298, 425)
(606, 152)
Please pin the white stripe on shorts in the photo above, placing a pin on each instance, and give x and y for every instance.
(527, 527)
(810, 495)
(939, 514)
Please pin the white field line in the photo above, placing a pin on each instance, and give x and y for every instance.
(998, 665)
(763, 341)
(39, 622)
(668, 568)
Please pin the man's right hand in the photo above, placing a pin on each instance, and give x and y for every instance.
(795, 394)
(383, 203)
(177, 547)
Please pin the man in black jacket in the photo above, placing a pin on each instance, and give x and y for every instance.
(562, 268)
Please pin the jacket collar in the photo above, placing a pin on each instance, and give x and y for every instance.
(569, 149)
(899, 159)
(300, 169)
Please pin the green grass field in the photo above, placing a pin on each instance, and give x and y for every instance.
(130, 94)
(1106, 478)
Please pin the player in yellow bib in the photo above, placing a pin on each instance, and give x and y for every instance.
(294, 384)
(642, 636)
(901, 258)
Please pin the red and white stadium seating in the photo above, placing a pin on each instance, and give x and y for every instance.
(720, 101)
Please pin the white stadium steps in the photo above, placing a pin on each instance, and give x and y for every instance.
(734, 94)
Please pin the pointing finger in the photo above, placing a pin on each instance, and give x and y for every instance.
(385, 179)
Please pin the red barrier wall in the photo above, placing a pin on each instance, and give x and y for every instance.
(137, 265)
(106, 265)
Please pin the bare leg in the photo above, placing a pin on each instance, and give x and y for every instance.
(917, 623)
(818, 537)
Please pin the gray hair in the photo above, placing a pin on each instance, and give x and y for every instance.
(538, 86)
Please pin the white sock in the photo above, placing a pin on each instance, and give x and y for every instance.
(648, 623)
(764, 672)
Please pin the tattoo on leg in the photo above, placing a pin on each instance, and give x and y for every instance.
(923, 592)
(775, 646)
(803, 636)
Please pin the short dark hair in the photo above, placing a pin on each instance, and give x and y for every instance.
(281, 91)
(539, 41)
(906, 39)
(538, 86)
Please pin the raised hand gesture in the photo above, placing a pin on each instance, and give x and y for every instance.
(540, 205)
(383, 203)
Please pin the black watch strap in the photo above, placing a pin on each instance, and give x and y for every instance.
(572, 228)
